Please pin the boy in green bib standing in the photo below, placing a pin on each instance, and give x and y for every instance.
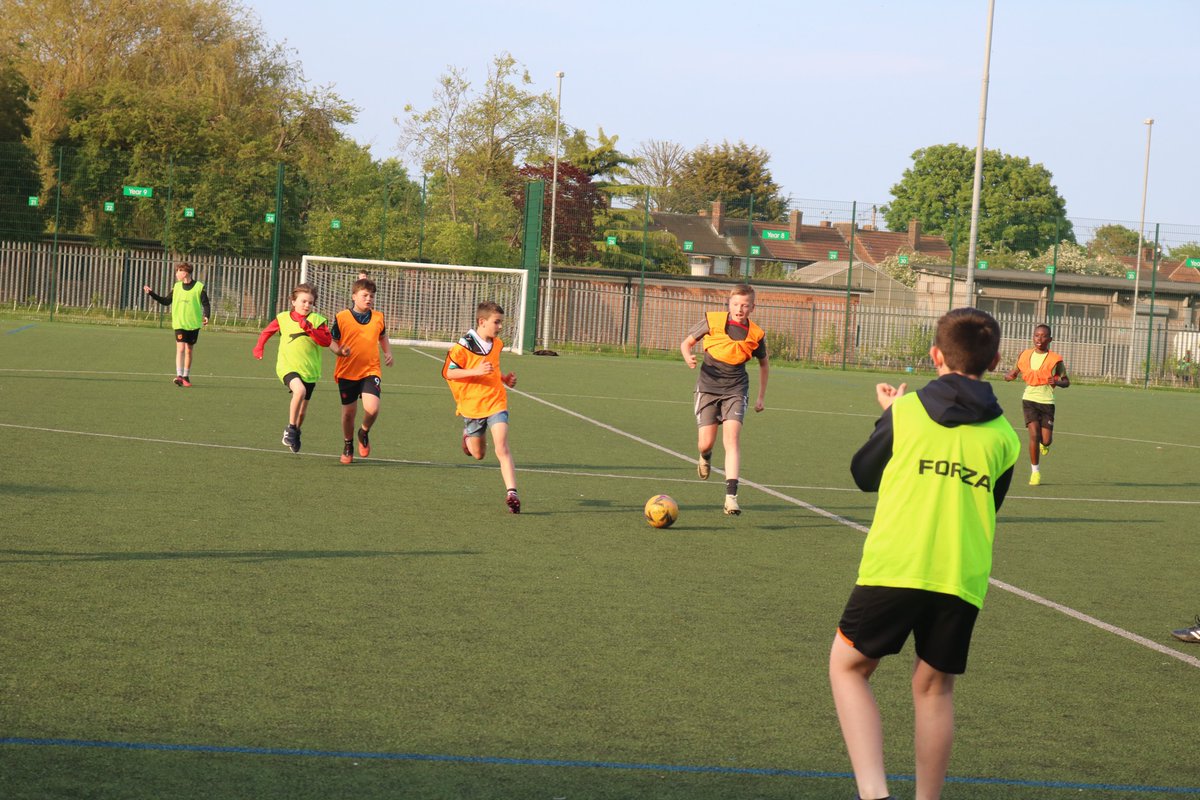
(190, 311)
(942, 460)
(303, 333)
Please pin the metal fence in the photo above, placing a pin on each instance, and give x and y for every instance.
(602, 311)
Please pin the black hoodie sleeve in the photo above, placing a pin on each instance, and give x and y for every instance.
(868, 463)
(1000, 489)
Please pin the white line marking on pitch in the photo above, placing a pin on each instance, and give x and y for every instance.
(1070, 612)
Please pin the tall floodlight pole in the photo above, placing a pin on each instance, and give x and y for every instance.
(1137, 270)
(976, 190)
(553, 218)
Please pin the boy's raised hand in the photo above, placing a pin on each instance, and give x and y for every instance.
(886, 394)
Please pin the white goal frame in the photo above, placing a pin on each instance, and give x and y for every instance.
(455, 291)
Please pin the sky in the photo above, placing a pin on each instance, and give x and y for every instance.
(839, 94)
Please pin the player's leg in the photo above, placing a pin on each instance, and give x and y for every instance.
(705, 408)
(731, 440)
(508, 469)
(349, 408)
(473, 442)
(1047, 423)
(858, 715)
(370, 404)
(1035, 438)
(933, 714)
(299, 401)
(180, 348)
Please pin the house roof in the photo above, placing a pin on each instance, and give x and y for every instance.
(875, 246)
(1072, 279)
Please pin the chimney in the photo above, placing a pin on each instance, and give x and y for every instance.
(794, 224)
(718, 216)
(914, 235)
(826, 223)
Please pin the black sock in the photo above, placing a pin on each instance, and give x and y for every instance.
(731, 486)
(707, 456)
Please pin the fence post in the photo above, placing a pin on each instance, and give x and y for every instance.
(953, 258)
(637, 353)
(1054, 272)
(167, 214)
(387, 186)
(54, 250)
(535, 195)
(273, 298)
(849, 277)
(421, 231)
(1150, 322)
(749, 236)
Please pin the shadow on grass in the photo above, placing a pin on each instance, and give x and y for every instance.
(25, 490)
(249, 556)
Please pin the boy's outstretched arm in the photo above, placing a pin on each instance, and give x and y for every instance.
(685, 347)
(267, 333)
(764, 371)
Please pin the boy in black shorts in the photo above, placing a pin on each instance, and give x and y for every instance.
(942, 460)
(190, 311)
(730, 339)
(1042, 370)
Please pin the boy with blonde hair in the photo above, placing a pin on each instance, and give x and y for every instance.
(942, 460)
(722, 393)
(472, 370)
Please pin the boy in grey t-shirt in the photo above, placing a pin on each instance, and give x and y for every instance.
(729, 339)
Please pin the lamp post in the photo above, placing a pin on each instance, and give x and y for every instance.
(976, 189)
(553, 217)
(1137, 270)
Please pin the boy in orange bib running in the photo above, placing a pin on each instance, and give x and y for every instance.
(472, 370)
(1042, 370)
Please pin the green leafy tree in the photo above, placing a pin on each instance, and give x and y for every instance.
(1114, 241)
(604, 162)
(1019, 206)
(472, 143)
(733, 173)
(1186, 250)
(187, 97)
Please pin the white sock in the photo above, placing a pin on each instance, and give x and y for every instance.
(1036, 468)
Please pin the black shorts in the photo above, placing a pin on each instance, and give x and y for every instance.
(1041, 413)
(878, 620)
(351, 390)
(308, 387)
(186, 336)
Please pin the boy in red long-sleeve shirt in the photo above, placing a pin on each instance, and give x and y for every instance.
(302, 335)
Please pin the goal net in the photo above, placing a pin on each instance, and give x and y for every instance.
(427, 305)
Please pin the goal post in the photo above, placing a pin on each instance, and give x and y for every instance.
(424, 305)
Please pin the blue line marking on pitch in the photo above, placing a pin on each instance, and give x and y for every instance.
(553, 762)
(22, 328)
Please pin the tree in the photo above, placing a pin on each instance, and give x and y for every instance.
(733, 173)
(604, 162)
(657, 165)
(472, 144)
(188, 97)
(1114, 241)
(1020, 209)
(576, 205)
(1186, 250)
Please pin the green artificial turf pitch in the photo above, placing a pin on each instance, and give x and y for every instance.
(192, 611)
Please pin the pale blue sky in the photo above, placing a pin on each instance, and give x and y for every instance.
(840, 94)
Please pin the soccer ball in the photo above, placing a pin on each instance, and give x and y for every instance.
(661, 511)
